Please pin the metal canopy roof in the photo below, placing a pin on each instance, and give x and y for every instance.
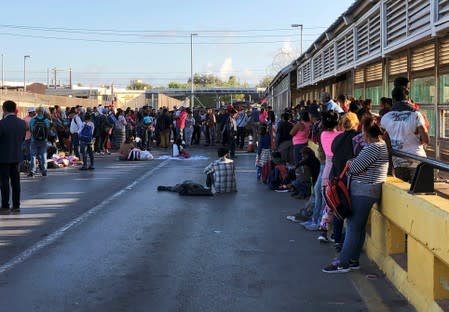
(203, 91)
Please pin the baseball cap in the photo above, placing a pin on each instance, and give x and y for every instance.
(31, 109)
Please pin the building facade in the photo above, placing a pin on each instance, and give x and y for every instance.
(374, 42)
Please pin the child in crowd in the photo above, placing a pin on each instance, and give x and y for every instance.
(86, 135)
(179, 149)
(263, 156)
(279, 177)
(307, 173)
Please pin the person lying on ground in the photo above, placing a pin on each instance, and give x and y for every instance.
(187, 188)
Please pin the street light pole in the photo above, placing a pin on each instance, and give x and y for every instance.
(192, 97)
(24, 72)
(3, 74)
(300, 28)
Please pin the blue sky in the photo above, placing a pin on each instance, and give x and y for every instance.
(117, 41)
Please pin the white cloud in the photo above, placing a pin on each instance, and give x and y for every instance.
(288, 49)
(249, 76)
(226, 69)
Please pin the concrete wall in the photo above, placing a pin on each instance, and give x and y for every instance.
(27, 99)
(408, 238)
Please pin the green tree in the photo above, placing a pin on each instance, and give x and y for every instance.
(138, 85)
(177, 85)
(265, 82)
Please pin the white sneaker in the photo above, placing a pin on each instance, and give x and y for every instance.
(292, 219)
(323, 239)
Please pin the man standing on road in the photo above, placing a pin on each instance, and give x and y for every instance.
(75, 127)
(12, 136)
(39, 126)
(27, 119)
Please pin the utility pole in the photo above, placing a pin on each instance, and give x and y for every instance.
(192, 99)
(24, 72)
(3, 74)
(54, 72)
(70, 77)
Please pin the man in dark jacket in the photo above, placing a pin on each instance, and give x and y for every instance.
(12, 136)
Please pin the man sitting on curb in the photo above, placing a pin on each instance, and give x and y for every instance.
(221, 173)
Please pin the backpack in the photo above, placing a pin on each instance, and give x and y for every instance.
(337, 196)
(86, 134)
(40, 130)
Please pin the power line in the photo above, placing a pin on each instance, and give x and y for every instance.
(144, 42)
(188, 32)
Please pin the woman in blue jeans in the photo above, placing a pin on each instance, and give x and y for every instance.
(368, 172)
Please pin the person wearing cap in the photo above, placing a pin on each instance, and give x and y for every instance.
(329, 104)
(229, 131)
(27, 143)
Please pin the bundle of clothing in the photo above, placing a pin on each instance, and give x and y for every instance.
(61, 160)
(187, 188)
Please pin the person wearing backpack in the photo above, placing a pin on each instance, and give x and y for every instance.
(86, 135)
(39, 127)
(368, 172)
(343, 149)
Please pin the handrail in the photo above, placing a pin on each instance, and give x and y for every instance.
(432, 162)
(423, 180)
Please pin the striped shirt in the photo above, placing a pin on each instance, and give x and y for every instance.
(371, 165)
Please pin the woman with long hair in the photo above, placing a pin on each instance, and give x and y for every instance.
(368, 172)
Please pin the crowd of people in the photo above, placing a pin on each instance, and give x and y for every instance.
(347, 136)
(301, 152)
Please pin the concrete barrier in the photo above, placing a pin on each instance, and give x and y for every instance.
(408, 238)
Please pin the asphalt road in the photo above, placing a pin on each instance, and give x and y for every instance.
(108, 241)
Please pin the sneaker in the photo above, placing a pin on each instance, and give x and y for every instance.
(323, 238)
(292, 218)
(354, 265)
(336, 268)
(312, 227)
(91, 168)
(282, 190)
(44, 174)
(30, 174)
(308, 222)
(338, 247)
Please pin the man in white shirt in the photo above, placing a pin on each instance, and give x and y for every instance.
(329, 104)
(407, 131)
(75, 128)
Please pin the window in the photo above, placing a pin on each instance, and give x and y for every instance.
(374, 93)
(423, 90)
(359, 93)
(430, 115)
(444, 126)
(444, 89)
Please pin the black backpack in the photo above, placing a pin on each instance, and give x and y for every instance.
(40, 130)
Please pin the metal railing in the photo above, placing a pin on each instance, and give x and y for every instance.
(423, 179)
